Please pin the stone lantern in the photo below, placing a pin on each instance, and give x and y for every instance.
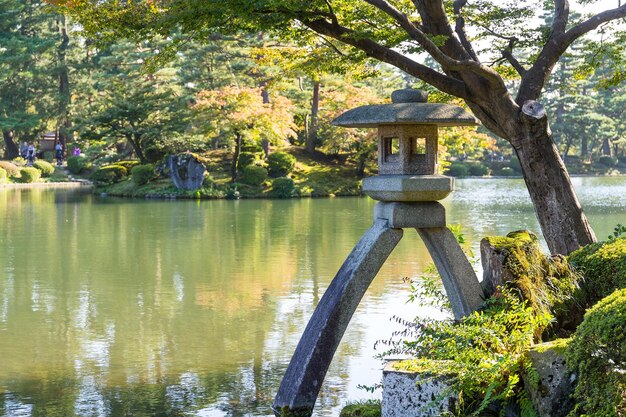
(407, 145)
(408, 189)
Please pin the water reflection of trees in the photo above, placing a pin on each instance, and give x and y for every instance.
(159, 308)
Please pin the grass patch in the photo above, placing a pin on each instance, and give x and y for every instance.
(370, 408)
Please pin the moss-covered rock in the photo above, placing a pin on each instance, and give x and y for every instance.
(548, 283)
(597, 353)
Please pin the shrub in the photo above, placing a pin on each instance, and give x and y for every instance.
(153, 154)
(128, 164)
(283, 187)
(45, 167)
(11, 169)
(457, 169)
(77, 164)
(30, 174)
(245, 159)
(141, 174)
(607, 161)
(19, 161)
(3, 174)
(280, 164)
(507, 172)
(597, 354)
(254, 175)
(109, 174)
(478, 170)
(514, 164)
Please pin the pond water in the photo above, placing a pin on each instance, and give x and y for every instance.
(113, 307)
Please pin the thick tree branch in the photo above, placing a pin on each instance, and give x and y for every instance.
(561, 17)
(536, 77)
(449, 64)
(443, 82)
(593, 23)
(459, 28)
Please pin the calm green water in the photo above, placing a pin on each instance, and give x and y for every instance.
(180, 308)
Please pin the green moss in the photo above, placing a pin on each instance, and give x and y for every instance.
(362, 409)
(597, 354)
(548, 283)
(558, 345)
(298, 412)
(603, 265)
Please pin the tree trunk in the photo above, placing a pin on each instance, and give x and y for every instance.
(64, 83)
(134, 140)
(311, 139)
(233, 166)
(11, 150)
(564, 225)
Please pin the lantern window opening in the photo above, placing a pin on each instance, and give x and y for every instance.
(418, 146)
(391, 149)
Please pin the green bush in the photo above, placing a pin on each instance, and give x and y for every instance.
(77, 164)
(603, 265)
(30, 174)
(283, 187)
(280, 164)
(141, 174)
(11, 169)
(128, 164)
(607, 161)
(514, 164)
(109, 174)
(457, 169)
(3, 174)
(245, 159)
(597, 354)
(153, 154)
(478, 170)
(46, 168)
(254, 175)
(506, 172)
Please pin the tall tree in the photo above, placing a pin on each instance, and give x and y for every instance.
(26, 45)
(390, 32)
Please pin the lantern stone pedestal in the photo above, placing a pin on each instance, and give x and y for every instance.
(407, 190)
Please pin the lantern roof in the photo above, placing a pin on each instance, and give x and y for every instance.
(408, 106)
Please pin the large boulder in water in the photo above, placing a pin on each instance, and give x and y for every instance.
(186, 170)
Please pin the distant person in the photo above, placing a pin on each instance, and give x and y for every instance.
(30, 154)
(24, 150)
(76, 151)
(59, 153)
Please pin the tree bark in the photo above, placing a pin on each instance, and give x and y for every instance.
(134, 140)
(11, 150)
(64, 83)
(311, 139)
(235, 162)
(564, 225)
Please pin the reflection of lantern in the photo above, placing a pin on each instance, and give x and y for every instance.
(407, 188)
(407, 145)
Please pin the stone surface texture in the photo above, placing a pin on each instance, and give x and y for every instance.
(186, 171)
(551, 395)
(305, 374)
(415, 152)
(409, 95)
(409, 394)
(405, 188)
(411, 215)
(406, 113)
(459, 279)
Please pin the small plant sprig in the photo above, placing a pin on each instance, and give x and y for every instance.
(619, 230)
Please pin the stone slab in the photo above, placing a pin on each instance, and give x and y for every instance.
(410, 394)
(406, 188)
(411, 215)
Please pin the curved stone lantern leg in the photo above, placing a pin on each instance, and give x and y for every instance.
(304, 377)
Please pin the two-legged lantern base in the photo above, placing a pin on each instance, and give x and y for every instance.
(304, 376)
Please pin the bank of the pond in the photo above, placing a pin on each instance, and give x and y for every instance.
(48, 185)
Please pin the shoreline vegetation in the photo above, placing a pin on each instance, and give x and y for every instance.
(297, 174)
